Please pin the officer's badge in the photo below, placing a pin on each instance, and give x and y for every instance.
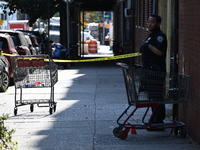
(160, 39)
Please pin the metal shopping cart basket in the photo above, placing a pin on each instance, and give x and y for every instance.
(148, 89)
(34, 72)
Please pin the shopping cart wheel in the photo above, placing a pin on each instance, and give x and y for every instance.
(180, 131)
(31, 107)
(176, 131)
(116, 131)
(123, 135)
(54, 107)
(15, 111)
(50, 110)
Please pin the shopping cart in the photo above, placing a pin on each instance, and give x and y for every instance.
(147, 89)
(34, 72)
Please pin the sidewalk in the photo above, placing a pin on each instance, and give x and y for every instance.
(90, 97)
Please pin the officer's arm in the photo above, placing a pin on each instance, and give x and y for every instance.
(155, 50)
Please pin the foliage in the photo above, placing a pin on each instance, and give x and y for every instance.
(35, 9)
(6, 135)
(91, 16)
(45, 9)
(94, 16)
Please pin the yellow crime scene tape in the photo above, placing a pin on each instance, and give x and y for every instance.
(86, 60)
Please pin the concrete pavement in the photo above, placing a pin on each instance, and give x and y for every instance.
(90, 97)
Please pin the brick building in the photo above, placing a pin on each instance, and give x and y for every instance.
(189, 58)
(182, 27)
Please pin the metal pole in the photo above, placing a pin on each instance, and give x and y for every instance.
(82, 48)
(103, 38)
(48, 46)
(79, 32)
(68, 25)
(122, 22)
(79, 28)
(155, 11)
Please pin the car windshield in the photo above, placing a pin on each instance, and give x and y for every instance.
(11, 42)
(15, 40)
(3, 43)
(23, 40)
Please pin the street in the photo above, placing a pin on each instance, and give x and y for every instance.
(90, 97)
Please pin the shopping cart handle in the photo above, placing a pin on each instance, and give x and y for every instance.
(123, 65)
(136, 66)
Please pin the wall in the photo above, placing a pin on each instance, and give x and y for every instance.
(189, 58)
(182, 26)
(144, 8)
(142, 11)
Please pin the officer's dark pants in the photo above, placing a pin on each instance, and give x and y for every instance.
(153, 82)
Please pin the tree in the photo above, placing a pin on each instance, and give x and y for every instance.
(94, 16)
(35, 9)
(91, 16)
(43, 9)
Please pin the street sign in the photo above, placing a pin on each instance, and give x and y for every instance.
(107, 16)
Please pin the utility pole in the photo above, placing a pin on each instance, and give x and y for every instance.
(68, 25)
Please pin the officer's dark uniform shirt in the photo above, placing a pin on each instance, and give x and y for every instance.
(154, 62)
(150, 60)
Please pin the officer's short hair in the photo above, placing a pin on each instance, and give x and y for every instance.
(158, 18)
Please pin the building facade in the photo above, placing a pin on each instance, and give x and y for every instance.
(6, 18)
(189, 58)
(180, 22)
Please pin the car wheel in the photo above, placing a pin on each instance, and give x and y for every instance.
(5, 82)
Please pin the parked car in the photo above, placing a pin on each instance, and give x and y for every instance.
(4, 73)
(35, 44)
(42, 39)
(85, 36)
(19, 40)
(7, 46)
(30, 45)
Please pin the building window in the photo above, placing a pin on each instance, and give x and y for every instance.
(3, 16)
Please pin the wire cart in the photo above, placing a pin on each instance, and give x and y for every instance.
(141, 85)
(34, 72)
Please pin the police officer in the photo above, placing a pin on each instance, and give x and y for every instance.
(153, 58)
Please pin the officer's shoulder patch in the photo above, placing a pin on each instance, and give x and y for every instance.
(160, 39)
